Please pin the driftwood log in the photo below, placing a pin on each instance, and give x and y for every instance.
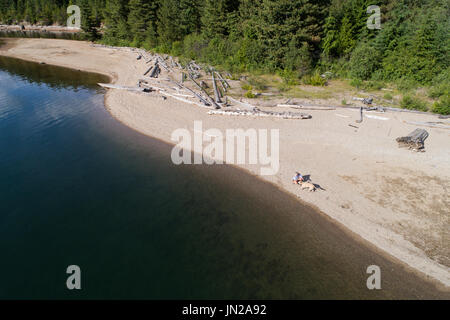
(115, 86)
(295, 106)
(415, 140)
(223, 82)
(361, 114)
(204, 84)
(245, 105)
(148, 70)
(156, 71)
(216, 90)
(260, 113)
(438, 125)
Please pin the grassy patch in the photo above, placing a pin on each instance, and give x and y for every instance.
(299, 92)
(388, 96)
(283, 87)
(367, 85)
(405, 85)
(259, 83)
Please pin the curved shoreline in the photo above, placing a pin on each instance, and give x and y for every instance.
(115, 104)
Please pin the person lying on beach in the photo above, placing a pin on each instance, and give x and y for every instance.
(297, 178)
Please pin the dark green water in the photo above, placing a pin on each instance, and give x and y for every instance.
(78, 187)
(40, 34)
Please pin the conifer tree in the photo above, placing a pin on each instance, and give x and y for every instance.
(138, 20)
(169, 28)
(88, 22)
(217, 17)
(116, 14)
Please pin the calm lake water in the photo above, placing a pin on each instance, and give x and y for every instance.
(78, 187)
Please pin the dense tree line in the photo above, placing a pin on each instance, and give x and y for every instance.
(295, 36)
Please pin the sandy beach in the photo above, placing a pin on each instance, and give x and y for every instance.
(394, 198)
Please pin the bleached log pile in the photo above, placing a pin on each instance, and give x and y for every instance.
(151, 83)
(194, 69)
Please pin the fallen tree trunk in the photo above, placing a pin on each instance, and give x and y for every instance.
(148, 70)
(151, 87)
(216, 91)
(222, 84)
(223, 81)
(259, 113)
(429, 124)
(115, 86)
(183, 100)
(162, 62)
(155, 72)
(376, 117)
(415, 140)
(246, 105)
(294, 106)
(361, 114)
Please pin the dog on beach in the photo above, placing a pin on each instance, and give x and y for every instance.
(307, 185)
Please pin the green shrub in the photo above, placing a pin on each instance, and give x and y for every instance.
(177, 49)
(247, 87)
(344, 102)
(249, 94)
(364, 61)
(315, 80)
(439, 90)
(413, 103)
(442, 106)
(288, 77)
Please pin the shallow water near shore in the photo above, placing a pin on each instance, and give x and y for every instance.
(79, 188)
